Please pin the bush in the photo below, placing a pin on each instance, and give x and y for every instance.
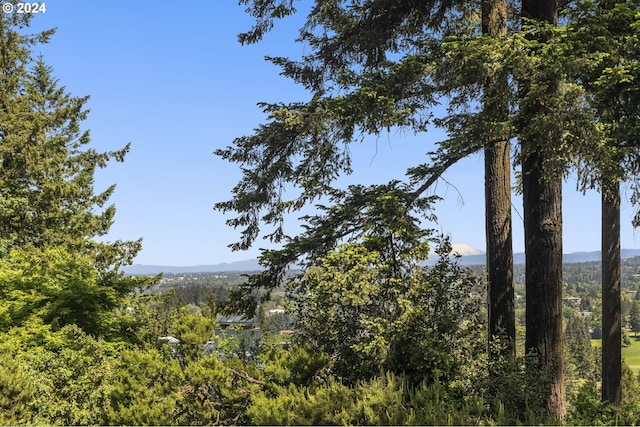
(423, 325)
(384, 400)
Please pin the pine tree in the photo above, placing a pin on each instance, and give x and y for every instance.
(618, 111)
(357, 88)
(635, 317)
(605, 32)
(578, 345)
(15, 51)
(611, 304)
(542, 200)
(56, 272)
(47, 175)
(502, 319)
(382, 64)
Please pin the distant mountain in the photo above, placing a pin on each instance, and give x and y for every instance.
(574, 257)
(149, 270)
(479, 258)
(463, 249)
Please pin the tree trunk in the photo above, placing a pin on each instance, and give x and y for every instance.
(611, 279)
(502, 318)
(542, 200)
(611, 309)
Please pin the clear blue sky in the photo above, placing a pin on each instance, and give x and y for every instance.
(171, 78)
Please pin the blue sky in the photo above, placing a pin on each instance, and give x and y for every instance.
(171, 78)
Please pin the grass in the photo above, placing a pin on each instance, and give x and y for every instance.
(630, 355)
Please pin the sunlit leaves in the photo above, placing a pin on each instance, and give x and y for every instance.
(59, 288)
(359, 309)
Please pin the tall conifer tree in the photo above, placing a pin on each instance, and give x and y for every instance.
(47, 174)
(498, 195)
(606, 33)
(379, 64)
(55, 271)
(617, 111)
(542, 199)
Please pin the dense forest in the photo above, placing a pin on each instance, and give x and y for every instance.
(348, 323)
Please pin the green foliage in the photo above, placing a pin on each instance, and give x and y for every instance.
(74, 372)
(64, 375)
(377, 65)
(150, 319)
(513, 389)
(219, 391)
(383, 338)
(386, 400)
(145, 390)
(363, 81)
(604, 38)
(383, 218)
(193, 330)
(589, 409)
(52, 272)
(47, 174)
(59, 288)
(577, 341)
(368, 320)
(635, 317)
(343, 308)
(301, 406)
(441, 308)
(67, 377)
(299, 364)
(16, 391)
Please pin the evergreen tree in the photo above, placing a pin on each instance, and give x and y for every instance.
(634, 316)
(54, 270)
(606, 33)
(578, 346)
(497, 152)
(542, 205)
(47, 174)
(382, 64)
(15, 50)
(357, 89)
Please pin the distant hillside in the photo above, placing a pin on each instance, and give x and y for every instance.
(571, 258)
(148, 270)
(252, 264)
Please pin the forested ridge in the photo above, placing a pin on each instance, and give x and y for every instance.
(348, 323)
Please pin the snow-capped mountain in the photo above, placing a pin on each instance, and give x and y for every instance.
(463, 249)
